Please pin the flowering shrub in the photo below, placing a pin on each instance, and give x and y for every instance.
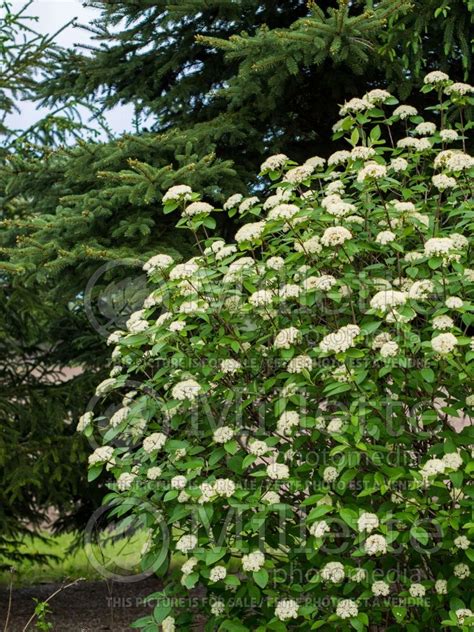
(302, 422)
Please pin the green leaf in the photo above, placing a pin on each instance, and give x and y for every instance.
(261, 577)
(215, 555)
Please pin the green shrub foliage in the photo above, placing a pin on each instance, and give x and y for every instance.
(298, 435)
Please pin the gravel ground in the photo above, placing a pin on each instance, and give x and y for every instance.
(84, 607)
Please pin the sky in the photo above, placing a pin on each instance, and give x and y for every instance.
(52, 15)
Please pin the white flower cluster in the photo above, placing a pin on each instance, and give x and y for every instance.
(286, 609)
(253, 562)
(340, 340)
(333, 572)
(186, 390)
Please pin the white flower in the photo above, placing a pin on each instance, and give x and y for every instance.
(458, 161)
(258, 448)
(183, 496)
(355, 105)
(380, 589)
(462, 571)
(432, 467)
(105, 386)
(443, 182)
(298, 174)
(260, 298)
(452, 460)
(330, 474)
(318, 529)
(417, 590)
(248, 203)
(367, 522)
(85, 420)
(270, 498)
(438, 246)
(286, 609)
(372, 170)
(186, 390)
(425, 129)
(459, 240)
(333, 572)
(335, 426)
(461, 542)
(277, 471)
(103, 454)
(186, 543)
(253, 562)
(413, 256)
(289, 291)
(178, 482)
(444, 343)
(459, 89)
(154, 442)
(119, 416)
(273, 163)
(375, 544)
(449, 135)
(359, 575)
(470, 400)
(288, 420)
(158, 262)
(441, 586)
(316, 162)
(184, 270)
(275, 263)
(323, 283)
(178, 192)
(283, 212)
(335, 236)
(223, 434)
(250, 232)
(340, 340)
(311, 246)
(398, 164)
(389, 349)
(188, 567)
(125, 481)
(168, 625)
(347, 609)
(339, 157)
(224, 487)
(230, 366)
(418, 144)
(385, 237)
(232, 201)
(218, 573)
(405, 111)
(153, 473)
(286, 338)
(421, 290)
(436, 77)
(443, 322)
(197, 208)
(377, 96)
(387, 299)
(362, 153)
(299, 363)
(217, 608)
(226, 251)
(454, 302)
(177, 325)
(463, 613)
(207, 493)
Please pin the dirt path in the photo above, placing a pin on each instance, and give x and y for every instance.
(85, 607)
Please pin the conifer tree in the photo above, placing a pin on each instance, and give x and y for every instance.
(39, 448)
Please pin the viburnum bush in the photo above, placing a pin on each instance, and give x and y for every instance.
(300, 420)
